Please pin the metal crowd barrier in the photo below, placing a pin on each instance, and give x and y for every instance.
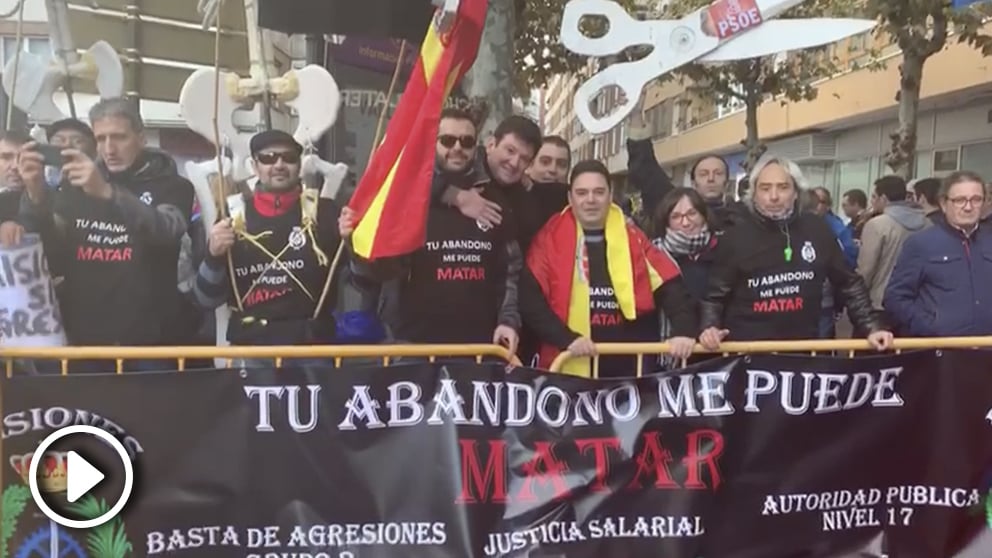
(278, 353)
(812, 346)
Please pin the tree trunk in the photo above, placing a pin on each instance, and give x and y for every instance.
(488, 85)
(903, 152)
(752, 141)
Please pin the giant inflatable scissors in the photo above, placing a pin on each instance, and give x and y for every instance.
(722, 31)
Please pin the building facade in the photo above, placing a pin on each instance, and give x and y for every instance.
(840, 139)
(165, 127)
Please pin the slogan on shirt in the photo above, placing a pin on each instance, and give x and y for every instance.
(269, 281)
(103, 242)
(461, 260)
(780, 292)
(603, 307)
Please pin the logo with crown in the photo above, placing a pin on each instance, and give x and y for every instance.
(52, 471)
(106, 541)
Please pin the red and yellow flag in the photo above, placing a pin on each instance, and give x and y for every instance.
(636, 269)
(393, 195)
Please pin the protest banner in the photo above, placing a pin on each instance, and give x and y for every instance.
(762, 456)
(29, 310)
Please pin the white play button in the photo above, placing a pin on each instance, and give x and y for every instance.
(81, 477)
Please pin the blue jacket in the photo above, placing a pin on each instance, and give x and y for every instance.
(940, 286)
(845, 236)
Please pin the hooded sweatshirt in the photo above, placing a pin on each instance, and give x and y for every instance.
(881, 242)
(119, 255)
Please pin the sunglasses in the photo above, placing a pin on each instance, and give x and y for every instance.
(468, 142)
(288, 157)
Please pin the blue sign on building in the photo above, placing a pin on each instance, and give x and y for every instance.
(963, 3)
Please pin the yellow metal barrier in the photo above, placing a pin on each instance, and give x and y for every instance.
(181, 354)
(811, 346)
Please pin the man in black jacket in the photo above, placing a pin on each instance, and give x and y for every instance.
(767, 281)
(710, 175)
(461, 286)
(119, 221)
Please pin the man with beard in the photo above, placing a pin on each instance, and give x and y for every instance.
(461, 287)
(768, 279)
(120, 221)
(274, 298)
(504, 161)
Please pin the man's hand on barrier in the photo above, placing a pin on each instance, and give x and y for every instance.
(346, 222)
(712, 337)
(221, 238)
(681, 347)
(10, 234)
(582, 347)
(507, 337)
(31, 167)
(474, 206)
(82, 172)
(881, 340)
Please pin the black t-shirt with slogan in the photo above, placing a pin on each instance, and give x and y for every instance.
(772, 275)
(456, 282)
(279, 295)
(120, 284)
(607, 324)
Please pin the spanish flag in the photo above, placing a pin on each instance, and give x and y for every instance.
(392, 197)
(637, 269)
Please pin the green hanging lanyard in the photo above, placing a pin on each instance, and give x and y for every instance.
(788, 245)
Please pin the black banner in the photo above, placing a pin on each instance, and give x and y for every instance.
(747, 457)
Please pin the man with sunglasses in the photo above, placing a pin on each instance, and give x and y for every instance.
(503, 162)
(279, 247)
(461, 287)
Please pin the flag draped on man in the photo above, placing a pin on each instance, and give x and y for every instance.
(557, 259)
(392, 197)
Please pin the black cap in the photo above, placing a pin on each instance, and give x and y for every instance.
(269, 138)
(71, 124)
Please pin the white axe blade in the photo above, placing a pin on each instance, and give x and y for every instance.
(316, 102)
(109, 70)
(199, 174)
(38, 78)
(196, 105)
(333, 173)
(783, 35)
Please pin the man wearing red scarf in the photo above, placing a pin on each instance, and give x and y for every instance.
(279, 247)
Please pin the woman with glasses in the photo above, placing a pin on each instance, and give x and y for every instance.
(684, 227)
(941, 285)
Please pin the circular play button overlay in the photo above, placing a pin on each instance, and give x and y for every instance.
(77, 475)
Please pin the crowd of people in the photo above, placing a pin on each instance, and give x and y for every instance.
(523, 248)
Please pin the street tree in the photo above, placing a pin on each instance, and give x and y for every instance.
(752, 82)
(921, 29)
(521, 51)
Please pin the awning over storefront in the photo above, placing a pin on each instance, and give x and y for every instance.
(389, 19)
